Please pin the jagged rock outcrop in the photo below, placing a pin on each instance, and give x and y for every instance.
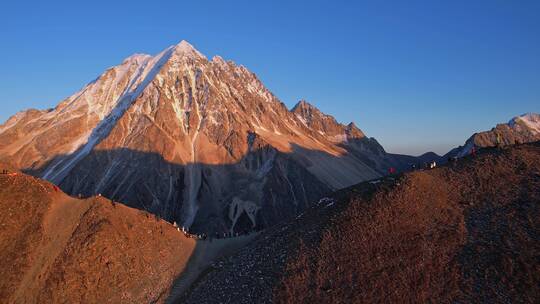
(186, 137)
(324, 124)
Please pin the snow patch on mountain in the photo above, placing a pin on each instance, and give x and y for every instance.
(239, 207)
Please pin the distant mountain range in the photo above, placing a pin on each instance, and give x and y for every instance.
(204, 143)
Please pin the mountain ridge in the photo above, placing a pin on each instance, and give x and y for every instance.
(195, 121)
(520, 129)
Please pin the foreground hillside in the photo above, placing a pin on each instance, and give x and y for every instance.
(465, 233)
(54, 248)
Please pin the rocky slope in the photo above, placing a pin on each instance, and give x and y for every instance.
(57, 249)
(519, 130)
(199, 141)
(465, 233)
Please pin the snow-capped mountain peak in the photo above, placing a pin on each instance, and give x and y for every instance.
(184, 48)
(530, 120)
(200, 142)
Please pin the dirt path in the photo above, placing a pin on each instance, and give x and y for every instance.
(58, 224)
(206, 252)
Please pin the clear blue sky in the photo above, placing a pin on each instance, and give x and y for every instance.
(417, 75)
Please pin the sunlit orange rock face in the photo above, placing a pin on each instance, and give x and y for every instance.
(199, 141)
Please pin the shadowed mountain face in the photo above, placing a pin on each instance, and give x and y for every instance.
(198, 141)
(290, 187)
